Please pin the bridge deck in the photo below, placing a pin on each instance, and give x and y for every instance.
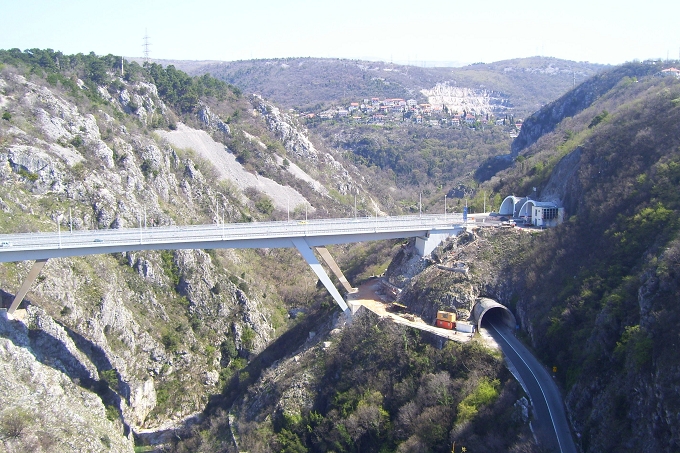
(31, 246)
(302, 235)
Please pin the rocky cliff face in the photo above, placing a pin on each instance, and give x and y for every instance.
(297, 143)
(46, 403)
(143, 338)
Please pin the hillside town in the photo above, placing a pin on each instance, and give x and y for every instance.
(395, 111)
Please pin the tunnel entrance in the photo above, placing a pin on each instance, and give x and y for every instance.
(490, 310)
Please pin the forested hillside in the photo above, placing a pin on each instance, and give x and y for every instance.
(598, 296)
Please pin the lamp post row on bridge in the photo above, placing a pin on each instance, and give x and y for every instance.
(143, 225)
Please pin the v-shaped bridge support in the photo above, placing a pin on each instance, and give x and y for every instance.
(32, 275)
(308, 254)
(302, 246)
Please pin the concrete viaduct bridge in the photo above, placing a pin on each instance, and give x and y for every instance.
(429, 231)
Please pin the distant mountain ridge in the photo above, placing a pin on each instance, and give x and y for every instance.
(526, 83)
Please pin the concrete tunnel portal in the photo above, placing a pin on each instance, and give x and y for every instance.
(493, 311)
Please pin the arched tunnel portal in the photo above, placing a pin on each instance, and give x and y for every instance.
(489, 309)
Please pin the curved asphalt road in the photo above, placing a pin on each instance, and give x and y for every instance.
(550, 422)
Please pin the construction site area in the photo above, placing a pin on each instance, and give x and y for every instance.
(378, 296)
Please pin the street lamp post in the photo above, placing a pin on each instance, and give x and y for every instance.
(59, 217)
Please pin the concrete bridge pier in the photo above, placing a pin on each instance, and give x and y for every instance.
(30, 278)
(426, 244)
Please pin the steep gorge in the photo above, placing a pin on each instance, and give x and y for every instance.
(141, 343)
(136, 341)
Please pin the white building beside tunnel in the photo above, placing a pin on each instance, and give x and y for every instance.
(544, 214)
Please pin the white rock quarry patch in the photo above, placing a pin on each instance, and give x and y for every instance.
(228, 168)
(457, 99)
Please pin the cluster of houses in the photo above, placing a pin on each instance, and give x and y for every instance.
(391, 110)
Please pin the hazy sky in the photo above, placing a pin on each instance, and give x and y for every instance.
(415, 31)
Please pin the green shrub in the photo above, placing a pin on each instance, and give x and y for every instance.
(110, 377)
(248, 337)
(14, 422)
(265, 205)
(228, 349)
(33, 177)
(111, 412)
(171, 340)
(598, 119)
(77, 141)
(485, 393)
(169, 267)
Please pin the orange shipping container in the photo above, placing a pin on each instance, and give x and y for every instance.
(446, 316)
(445, 324)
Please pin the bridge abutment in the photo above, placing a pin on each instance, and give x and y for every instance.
(426, 244)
